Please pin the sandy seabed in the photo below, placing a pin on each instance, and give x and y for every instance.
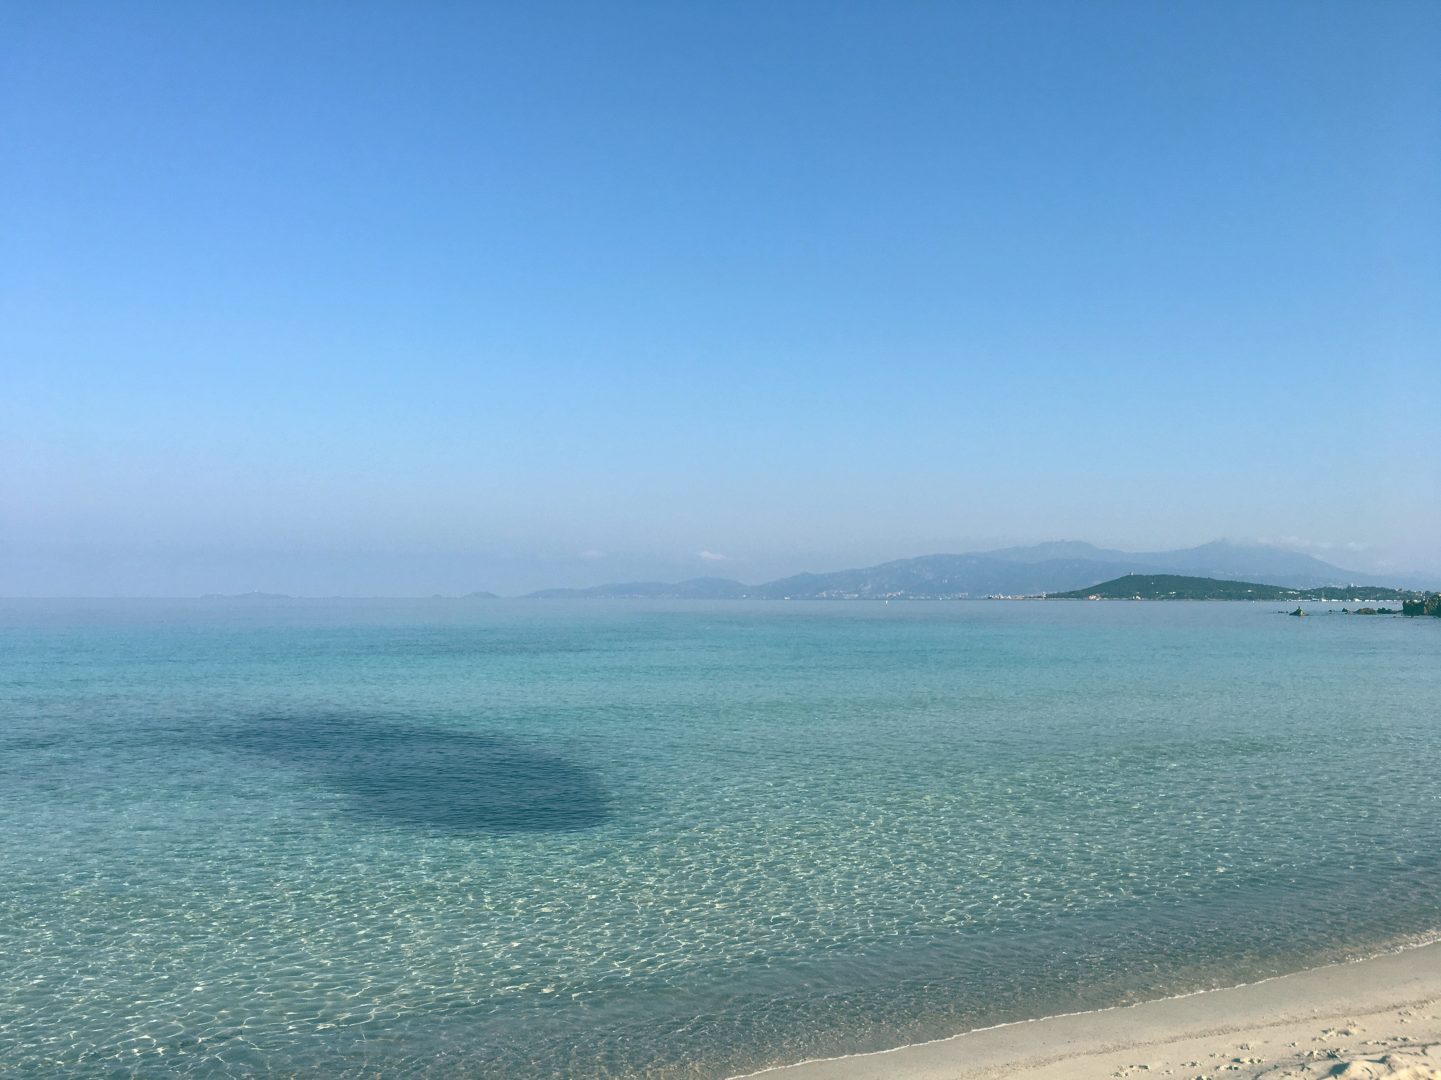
(1379, 1017)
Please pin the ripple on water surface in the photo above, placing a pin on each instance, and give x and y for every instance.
(681, 841)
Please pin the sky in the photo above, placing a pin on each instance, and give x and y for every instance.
(396, 299)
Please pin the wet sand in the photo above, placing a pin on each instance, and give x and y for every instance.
(1379, 1017)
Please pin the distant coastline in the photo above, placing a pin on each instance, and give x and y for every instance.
(1065, 568)
(1053, 568)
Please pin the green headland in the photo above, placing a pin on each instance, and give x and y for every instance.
(1179, 587)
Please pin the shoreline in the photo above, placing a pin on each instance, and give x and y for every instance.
(1372, 1017)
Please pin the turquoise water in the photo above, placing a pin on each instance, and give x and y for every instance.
(594, 839)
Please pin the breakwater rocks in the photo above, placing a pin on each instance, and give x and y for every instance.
(1430, 604)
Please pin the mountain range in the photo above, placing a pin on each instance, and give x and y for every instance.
(1057, 566)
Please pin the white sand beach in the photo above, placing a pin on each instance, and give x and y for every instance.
(1379, 1017)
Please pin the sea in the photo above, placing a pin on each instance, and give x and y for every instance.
(440, 838)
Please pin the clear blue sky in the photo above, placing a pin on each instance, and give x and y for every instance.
(397, 298)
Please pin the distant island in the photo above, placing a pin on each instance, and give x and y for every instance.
(1178, 587)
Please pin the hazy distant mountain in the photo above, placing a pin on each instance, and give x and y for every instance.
(944, 577)
(480, 595)
(1058, 549)
(1058, 566)
(1276, 566)
(1218, 559)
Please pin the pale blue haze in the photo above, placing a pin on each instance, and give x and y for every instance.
(434, 838)
(394, 299)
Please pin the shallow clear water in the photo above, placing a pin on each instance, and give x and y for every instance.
(554, 839)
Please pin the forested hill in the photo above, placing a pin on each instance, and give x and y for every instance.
(1178, 587)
